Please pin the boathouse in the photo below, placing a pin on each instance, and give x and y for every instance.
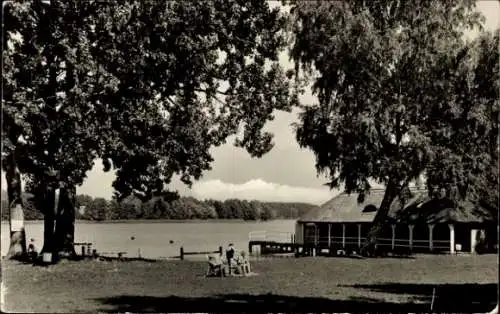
(421, 224)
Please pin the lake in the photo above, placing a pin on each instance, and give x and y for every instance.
(153, 237)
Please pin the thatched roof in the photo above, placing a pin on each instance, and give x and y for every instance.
(346, 208)
(433, 211)
(419, 208)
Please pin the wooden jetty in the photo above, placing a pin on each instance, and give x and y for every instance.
(272, 243)
(268, 243)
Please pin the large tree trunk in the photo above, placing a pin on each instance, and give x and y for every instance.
(380, 220)
(65, 223)
(17, 248)
(49, 203)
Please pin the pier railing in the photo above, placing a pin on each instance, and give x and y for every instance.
(437, 245)
(272, 236)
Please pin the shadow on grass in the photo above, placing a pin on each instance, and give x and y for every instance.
(473, 298)
(448, 297)
(231, 303)
(40, 263)
(392, 256)
(125, 259)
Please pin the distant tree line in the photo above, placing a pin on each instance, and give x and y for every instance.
(98, 209)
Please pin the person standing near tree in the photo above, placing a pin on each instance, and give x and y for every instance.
(32, 252)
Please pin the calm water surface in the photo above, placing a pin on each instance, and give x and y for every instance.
(153, 238)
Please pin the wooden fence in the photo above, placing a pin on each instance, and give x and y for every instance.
(183, 253)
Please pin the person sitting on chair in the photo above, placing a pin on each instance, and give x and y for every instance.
(245, 263)
(215, 266)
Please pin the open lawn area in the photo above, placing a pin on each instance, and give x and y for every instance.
(463, 283)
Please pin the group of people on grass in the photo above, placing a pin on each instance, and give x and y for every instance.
(233, 262)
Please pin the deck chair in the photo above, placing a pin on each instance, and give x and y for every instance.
(215, 266)
(240, 265)
(244, 263)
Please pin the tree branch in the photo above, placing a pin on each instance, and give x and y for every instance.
(383, 140)
(399, 135)
(406, 182)
(171, 101)
(217, 92)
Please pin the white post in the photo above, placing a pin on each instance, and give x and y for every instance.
(316, 234)
(431, 237)
(359, 235)
(393, 236)
(473, 240)
(452, 238)
(329, 235)
(343, 235)
(410, 228)
(315, 240)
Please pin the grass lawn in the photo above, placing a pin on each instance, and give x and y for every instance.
(463, 283)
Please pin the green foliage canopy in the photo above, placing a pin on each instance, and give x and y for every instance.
(147, 86)
(377, 70)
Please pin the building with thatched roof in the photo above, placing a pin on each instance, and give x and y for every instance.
(420, 224)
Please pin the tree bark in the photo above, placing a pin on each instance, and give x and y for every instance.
(380, 220)
(65, 223)
(48, 210)
(17, 248)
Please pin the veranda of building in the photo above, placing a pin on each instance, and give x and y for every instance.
(422, 225)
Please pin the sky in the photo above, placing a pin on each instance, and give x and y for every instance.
(287, 173)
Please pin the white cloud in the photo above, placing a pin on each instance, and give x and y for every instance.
(258, 189)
